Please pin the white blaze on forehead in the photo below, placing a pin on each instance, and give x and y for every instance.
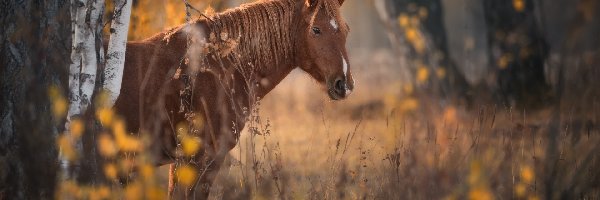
(333, 24)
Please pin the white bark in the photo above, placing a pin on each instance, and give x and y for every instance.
(84, 59)
(115, 59)
(84, 63)
(78, 24)
(89, 57)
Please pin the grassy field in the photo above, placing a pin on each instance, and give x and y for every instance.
(382, 144)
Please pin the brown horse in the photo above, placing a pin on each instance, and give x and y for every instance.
(209, 74)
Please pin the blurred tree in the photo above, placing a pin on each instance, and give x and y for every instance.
(518, 50)
(34, 52)
(150, 17)
(419, 25)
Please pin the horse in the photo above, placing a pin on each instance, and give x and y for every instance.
(209, 73)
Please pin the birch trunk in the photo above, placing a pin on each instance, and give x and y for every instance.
(78, 26)
(89, 57)
(82, 71)
(115, 59)
(84, 64)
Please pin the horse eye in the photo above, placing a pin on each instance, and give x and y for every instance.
(316, 30)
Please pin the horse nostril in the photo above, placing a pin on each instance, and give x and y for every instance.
(340, 86)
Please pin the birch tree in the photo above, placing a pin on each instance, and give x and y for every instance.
(83, 67)
(115, 61)
(85, 57)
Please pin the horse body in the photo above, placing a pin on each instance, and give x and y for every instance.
(243, 54)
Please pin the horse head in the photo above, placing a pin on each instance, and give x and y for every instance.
(323, 46)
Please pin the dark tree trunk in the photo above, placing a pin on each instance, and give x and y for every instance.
(445, 79)
(34, 54)
(517, 50)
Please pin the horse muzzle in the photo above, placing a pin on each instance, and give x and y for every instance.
(340, 89)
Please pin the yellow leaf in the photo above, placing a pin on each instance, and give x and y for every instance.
(147, 171)
(106, 146)
(119, 128)
(190, 145)
(533, 197)
(186, 175)
(450, 114)
(408, 104)
(422, 74)
(66, 148)
(520, 189)
(130, 144)
(103, 192)
(157, 193)
(412, 34)
(126, 164)
(125, 142)
(68, 189)
(59, 107)
(480, 193)
(527, 174)
(403, 20)
(519, 5)
(76, 128)
(414, 37)
(133, 191)
(475, 173)
(110, 171)
(105, 115)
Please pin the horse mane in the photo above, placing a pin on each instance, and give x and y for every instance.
(262, 32)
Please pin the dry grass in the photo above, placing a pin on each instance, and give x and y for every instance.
(379, 144)
(373, 146)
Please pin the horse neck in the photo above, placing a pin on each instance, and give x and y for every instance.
(267, 39)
